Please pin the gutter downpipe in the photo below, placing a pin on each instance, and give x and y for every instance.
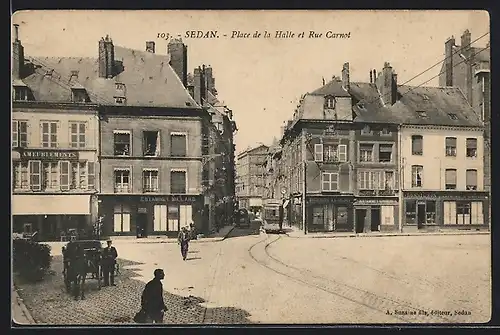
(401, 180)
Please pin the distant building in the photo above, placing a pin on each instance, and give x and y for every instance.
(55, 140)
(251, 177)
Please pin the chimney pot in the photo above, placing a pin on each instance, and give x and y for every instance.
(150, 46)
(16, 32)
(345, 76)
(371, 77)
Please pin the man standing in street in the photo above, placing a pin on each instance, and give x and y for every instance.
(109, 255)
(152, 298)
(183, 241)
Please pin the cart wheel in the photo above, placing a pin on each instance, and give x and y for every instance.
(99, 277)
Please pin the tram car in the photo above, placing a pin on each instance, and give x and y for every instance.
(271, 216)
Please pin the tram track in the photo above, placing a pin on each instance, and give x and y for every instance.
(409, 311)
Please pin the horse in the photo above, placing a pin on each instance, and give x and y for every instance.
(77, 273)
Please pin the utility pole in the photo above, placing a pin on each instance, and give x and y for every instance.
(304, 198)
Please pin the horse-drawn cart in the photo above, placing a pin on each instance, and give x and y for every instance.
(81, 258)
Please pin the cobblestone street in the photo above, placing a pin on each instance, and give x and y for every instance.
(252, 278)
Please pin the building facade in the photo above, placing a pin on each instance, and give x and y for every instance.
(251, 178)
(55, 139)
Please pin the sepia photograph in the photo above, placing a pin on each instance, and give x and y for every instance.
(230, 167)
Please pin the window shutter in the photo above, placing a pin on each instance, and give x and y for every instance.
(177, 145)
(471, 178)
(342, 149)
(450, 176)
(472, 143)
(318, 152)
(417, 143)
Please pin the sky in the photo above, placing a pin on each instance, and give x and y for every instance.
(262, 79)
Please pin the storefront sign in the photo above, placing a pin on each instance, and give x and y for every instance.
(48, 155)
(375, 202)
(326, 200)
(170, 198)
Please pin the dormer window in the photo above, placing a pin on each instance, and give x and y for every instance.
(330, 102)
(120, 100)
(79, 95)
(120, 86)
(453, 116)
(20, 93)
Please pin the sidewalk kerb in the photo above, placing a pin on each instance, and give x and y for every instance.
(19, 301)
(312, 235)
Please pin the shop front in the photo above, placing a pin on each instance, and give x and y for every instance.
(429, 211)
(52, 216)
(330, 213)
(374, 214)
(144, 216)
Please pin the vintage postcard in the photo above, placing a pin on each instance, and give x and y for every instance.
(251, 167)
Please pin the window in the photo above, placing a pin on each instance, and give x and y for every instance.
(120, 86)
(74, 175)
(329, 102)
(173, 216)
(318, 152)
(151, 143)
(178, 181)
(411, 211)
(90, 175)
(19, 134)
(385, 153)
(20, 93)
(50, 178)
(417, 145)
(430, 212)
(385, 132)
(120, 100)
(422, 114)
(333, 152)
(417, 172)
(122, 180)
(49, 134)
(450, 179)
(160, 218)
(64, 175)
(150, 180)
(453, 116)
(451, 146)
(471, 147)
(178, 145)
(389, 180)
(471, 180)
(35, 175)
(463, 212)
(366, 152)
(364, 180)
(371, 180)
(77, 134)
(122, 139)
(366, 131)
(79, 95)
(21, 180)
(121, 219)
(82, 174)
(330, 181)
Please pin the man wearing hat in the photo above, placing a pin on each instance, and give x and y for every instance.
(109, 256)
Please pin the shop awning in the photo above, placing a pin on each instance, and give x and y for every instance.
(27, 204)
(286, 203)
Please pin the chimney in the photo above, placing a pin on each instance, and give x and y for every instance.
(178, 58)
(374, 75)
(465, 42)
(466, 48)
(210, 80)
(448, 61)
(150, 46)
(371, 76)
(345, 76)
(387, 84)
(106, 57)
(199, 90)
(17, 55)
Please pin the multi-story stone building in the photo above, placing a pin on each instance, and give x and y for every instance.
(55, 140)
(251, 177)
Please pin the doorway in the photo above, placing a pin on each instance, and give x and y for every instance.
(420, 215)
(375, 219)
(141, 225)
(360, 220)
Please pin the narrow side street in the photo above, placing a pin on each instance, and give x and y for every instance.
(252, 278)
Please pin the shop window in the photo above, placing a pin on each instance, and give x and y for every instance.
(150, 180)
(450, 212)
(463, 212)
(411, 212)
(178, 181)
(417, 173)
(21, 176)
(35, 175)
(160, 218)
(451, 146)
(77, 134)
(173, 217)
(366, 152)
(185, 215)
(330, 181)
(122, 180)
(122, 143)
(385, 153)
(178, 144)
(64, 175)
(430, 212)
(49, 134)
(450, 179)
(471, 180)
(417, 145)
(471, 147)
(121, 219)
(151, 143)
(19, 134)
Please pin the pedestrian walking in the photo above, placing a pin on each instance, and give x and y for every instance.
(193, 232)
(183, 241)
(152, 304)
(109, 255)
